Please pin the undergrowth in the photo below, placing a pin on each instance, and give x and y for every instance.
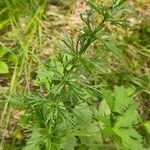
(86, 96)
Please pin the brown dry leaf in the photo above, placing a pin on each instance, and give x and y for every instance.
(17, 114)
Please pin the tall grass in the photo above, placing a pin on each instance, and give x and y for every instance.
(20, 24)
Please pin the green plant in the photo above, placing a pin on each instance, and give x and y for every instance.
(5, 56)
(72, 108)
(3, 65)
(23, 25)
(20, 23)
(57, 125)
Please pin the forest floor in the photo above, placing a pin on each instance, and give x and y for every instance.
(59, 22)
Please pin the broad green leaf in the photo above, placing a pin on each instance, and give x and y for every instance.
(92, 135)
(68, 143)
(4, 23)
(83, 114)
(105, 125)
(128, 118)
(34, 141)
(130, 90)
(11, 57)
(130, 138)
(44, 77)
(120, 102)
(3, 50)
(32, 146)
(3, 67)
(104, 108)
(147, 127)
(108, 96)
(58, 66)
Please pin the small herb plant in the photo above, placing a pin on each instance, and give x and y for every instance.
(6, 56)
(72, 109)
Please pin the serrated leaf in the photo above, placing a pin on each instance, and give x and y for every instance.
(130, 138)
(83, 114)
(58, 66)
(130, 90)
(128, 118)
(3, 67)
(105, 124)
(33, 141)
(44, 77)
(122, 101)
(108, 96)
